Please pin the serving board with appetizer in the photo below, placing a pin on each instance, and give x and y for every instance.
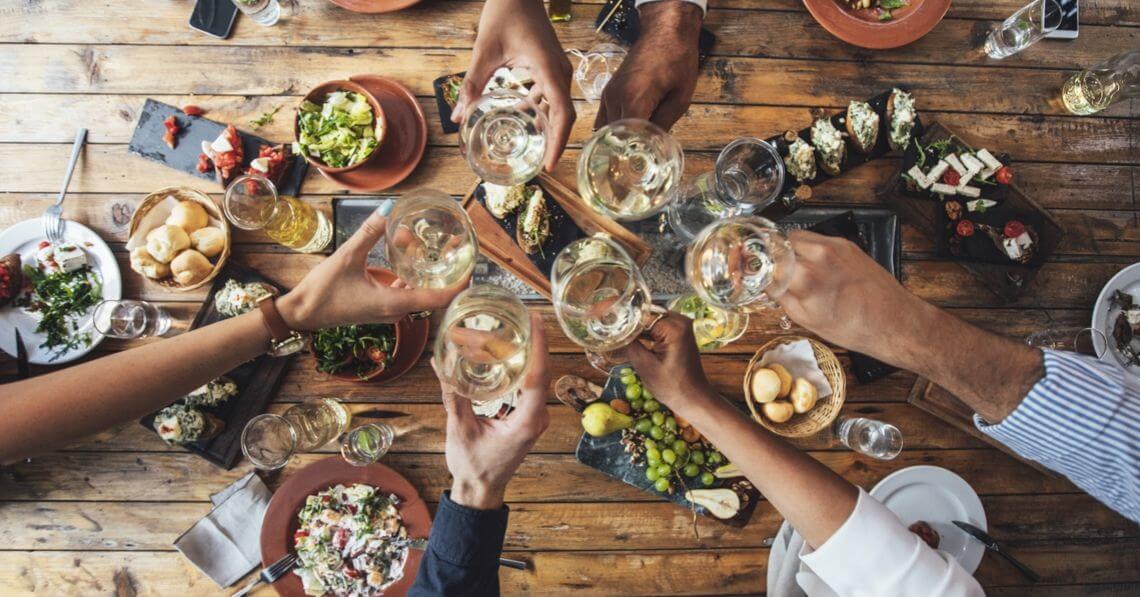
(447, 90)
(209, 420)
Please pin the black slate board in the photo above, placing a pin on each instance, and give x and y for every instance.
(563, 230)
(147, 142)
(607, 455)
(257, 380)
(444, 108)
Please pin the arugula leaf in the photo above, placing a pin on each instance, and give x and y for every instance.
(892, 4)
(885, 15)
(264, 119)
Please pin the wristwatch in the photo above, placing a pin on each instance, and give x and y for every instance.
(285, 341)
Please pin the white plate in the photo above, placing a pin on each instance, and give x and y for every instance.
(23, 238)
(937, 496)
(1104, 316)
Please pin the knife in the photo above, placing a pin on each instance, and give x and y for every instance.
(421, 544)
(993, 545)
(22, 371)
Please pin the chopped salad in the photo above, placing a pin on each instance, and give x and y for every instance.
(345, 544)
(339, 133)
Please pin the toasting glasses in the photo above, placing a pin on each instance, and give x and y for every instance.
(630, 170)
(430, 241)
(503, 137)
(600, 297)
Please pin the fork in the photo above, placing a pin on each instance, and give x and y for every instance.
(270, 575)
(52, 219)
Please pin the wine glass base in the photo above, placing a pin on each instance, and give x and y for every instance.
(496, 408)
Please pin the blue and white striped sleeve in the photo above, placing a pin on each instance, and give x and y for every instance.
(1082, 419)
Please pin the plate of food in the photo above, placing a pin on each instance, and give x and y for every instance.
(1117, 315)
(928, 499)
(878, 24)
(374, 6)
(49, 291)
(345, 523)
(178, 238)
(447, 90)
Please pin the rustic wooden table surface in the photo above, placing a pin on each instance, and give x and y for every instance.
(100, 516)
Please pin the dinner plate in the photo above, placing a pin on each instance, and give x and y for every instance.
(864, 30)
(280, 520)
(374, 6)
(23, 238)
(937, 496)
(1104, 316)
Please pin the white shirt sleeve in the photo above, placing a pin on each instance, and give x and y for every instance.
(874, 554)
(701, 3)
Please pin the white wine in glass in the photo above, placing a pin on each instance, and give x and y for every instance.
(742, 263)
(503, 137)
(430, 241)
(630, 170)
(483, 346)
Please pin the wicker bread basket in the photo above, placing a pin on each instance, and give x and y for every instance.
(184, 194)
(824, 412)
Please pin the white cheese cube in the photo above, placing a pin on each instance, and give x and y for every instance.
(1012, 249)
(207, 149)
(969, 191)
(967, 177)
(988, 159)
(260, 164)
(943, 189)
(70, 257)
(221, 144)
(980, 204)
(955, 163)
(921, 179)
(972, 163)
(1024, 241)
(986, 173)
(937, 171)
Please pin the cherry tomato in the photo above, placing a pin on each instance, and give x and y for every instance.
(168, 138)
(965, 228)
(300, 534)
(1004, 175)
(376, 355)
(951, 177)
(1013, 229)
(204, 164)
(192, 110)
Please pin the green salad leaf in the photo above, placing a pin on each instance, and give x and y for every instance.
(340, 132)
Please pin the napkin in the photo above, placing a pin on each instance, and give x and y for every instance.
(799, 359)
(157, 217)
(225, 545)
(784, 563)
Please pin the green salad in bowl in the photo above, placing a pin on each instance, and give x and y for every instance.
(340, 132)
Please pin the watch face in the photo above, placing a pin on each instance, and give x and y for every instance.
(291, 345)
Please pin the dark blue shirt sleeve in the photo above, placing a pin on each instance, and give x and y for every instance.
(462, 556)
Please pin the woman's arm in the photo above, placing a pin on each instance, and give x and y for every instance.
(51, 410)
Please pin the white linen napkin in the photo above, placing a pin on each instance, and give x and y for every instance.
(799, 359)
(153, 219)
(226, 544)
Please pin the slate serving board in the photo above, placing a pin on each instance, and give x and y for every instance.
(443, 107)
(147, 142)
(563, 231)
(257, 380)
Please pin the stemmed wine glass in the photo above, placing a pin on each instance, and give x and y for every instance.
(596, 67)
(503, 137)
(430, 241)
(630, 170)
(483, 347)
(600, 297)
(741, 263)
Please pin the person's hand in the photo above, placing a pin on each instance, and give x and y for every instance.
(656, 80)
(671, 367)
(516, 33)
(341, 290)
(482, 454)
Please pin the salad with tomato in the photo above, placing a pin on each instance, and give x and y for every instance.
(362, 350)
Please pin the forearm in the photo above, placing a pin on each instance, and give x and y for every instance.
(815, 500)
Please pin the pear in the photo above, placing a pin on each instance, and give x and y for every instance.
(721, 503)
(728, 471)
(600, 419)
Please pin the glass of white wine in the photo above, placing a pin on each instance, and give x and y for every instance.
(430, 241)
(483, 347)
(630, 170)
(741, 264)
(252, 203)
(600, 297)
(503, 137)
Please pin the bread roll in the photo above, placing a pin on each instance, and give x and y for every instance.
(765, 385)
(208, 241)
(779, 411)
(164, 242)
(190, 267)
(804, 395)
(144, 264)
(785, 379)
(188, 216)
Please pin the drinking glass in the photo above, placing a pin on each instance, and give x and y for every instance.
(252, 203)
(128, 319)
(600, 297)
(699, 204)
(1024, 28)
(741, 263)
(1083, 340)
(1097, 88)
(749, 173)
(430, 241)
(268, 441)
(367, 443)
(483, 347)
(317, 422)
(630, 170)
(713, 327)
(503, 137)
(869, 437)
(263, 12)
(595, 69)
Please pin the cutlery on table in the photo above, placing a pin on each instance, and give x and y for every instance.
(270, 575)
(996, 547)
(421, 544)
(53, 216)
(22, 371)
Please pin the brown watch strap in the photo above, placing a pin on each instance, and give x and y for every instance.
(273, 320)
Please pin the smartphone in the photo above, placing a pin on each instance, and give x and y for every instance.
(1070, 24)
(214, 17)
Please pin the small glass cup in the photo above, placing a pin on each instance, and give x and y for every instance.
(869, 437)
(129, 319)
(1023, 28)
(713, 327)
(1082, 340)
(263, 12)
(503, 137)
(367, 443)
(749, 174)
(595, 69)
(252, 203)
(268, 441)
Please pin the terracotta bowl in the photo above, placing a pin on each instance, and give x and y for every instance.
(862, 28)
(317, 96)
(373, 374)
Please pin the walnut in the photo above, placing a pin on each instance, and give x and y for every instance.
(953, 210)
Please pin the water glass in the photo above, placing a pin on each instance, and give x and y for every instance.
(268, 441)
(595, 69)
(1024, 28)
(483, 347)
(367, 443)
(503, 137)
(630, 170)
(1083, 340)
(252, 203)
(263, 12)
(713, 327)
(317, 422)
(749, 173)
(430, 241)
(129, 319)
(700, 204)
(869, 437)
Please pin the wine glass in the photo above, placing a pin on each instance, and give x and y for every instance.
(596, 67)
(483, 347)
(741, 263)
(600, 297)
(630, 170)
(430, 241)
(503, 137)
(749, 174)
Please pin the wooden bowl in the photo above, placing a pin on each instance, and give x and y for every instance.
(863, 29)
(317, 96)
(184, 194)
(825, 411)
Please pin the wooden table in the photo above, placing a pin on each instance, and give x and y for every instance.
(100, 516)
